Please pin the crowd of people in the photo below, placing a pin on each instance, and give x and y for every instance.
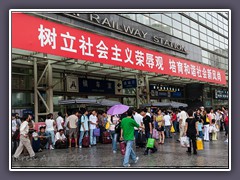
(80, 129)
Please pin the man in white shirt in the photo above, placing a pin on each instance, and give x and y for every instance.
(24, 139)
(168, 124)
(93, 125)
(139, 120)
(59, 121)
(60, 140)
(182, 121)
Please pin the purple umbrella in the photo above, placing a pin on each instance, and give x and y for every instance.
(117, 109)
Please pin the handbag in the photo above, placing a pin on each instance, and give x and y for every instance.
(155, 134)
(172, 129)
(123, 147)
(184, 141)
(199, 144)
(96, 132)
(107, 126)
(150, 143)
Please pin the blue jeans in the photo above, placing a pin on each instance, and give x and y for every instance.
(81, 136)
(129, 153)
(175, 125)
(51, 136)
(168, 131)
(200, 134)
(93, 139)
(114, 140)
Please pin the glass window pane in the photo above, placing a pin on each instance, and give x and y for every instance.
(215, 35)
(143, 19)
(203, 37)
(195, 41)
(177, 25)
(205, 60)
(194, 15)
(156, 16)
(177, 33)
(155, 24)
(208, 17)
(194, 33)
(215, 27)
(209, 33)
(177, 16)
(202, 20)
(204, 53)
(186, 37)
(203, 29)
(209, 24)
(186, 29)
(210, 47)
(203, 44)
(194, 25)
(210, 39)
(166, 29)
(185, 21)
(220, 30)
(166, 20)
(216, 43)
(130, 16)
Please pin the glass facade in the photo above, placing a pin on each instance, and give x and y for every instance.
(209, 30)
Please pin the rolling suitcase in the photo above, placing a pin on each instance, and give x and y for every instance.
(106, 138)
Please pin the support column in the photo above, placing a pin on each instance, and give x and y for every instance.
(147, 88)
(35, 90)
(137, 93)
(50, 88)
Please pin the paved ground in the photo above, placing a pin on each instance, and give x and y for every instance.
(169, 155)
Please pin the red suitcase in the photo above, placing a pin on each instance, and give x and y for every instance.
(106, 138)
(86, 141)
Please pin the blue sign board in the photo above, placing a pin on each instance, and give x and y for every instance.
(130, 83)
(177, 94)
(96, 86)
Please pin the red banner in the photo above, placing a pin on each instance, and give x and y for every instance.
(36, 34)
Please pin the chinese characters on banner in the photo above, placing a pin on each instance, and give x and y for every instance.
(35, 34)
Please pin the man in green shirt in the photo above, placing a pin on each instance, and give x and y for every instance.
(127, 133)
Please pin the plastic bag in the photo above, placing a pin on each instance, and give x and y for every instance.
(184, 141)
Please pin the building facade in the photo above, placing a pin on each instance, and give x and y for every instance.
(194, 39)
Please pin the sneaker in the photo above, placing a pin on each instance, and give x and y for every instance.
(40, 150)
(80, 147)
(226, 141)
(137, 158)
(14, 158)
(90, 146)
(34, 157)
(51, 148)
(114, 152)
(128, 165)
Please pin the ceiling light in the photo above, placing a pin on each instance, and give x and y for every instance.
(45, 55)
(101, 64)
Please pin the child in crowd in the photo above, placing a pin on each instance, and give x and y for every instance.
(213, 129)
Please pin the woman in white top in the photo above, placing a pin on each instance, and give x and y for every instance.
(50, 123)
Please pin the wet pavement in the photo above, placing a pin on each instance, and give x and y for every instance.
(169, 155)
